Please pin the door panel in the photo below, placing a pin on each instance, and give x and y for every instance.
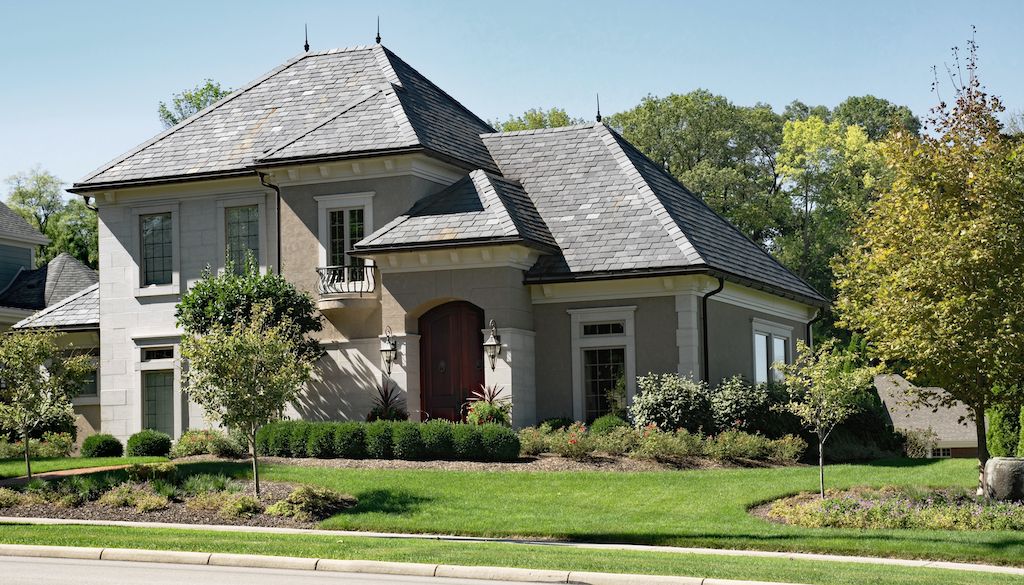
(451, 358)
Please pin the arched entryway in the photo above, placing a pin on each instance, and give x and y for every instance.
(451, 358)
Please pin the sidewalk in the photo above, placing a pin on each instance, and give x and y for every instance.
(1017, 571)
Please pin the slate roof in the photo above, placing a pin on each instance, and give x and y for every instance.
(15, 227)
(614, 212)
(893, 390)
(41, 287)
(79, 311)
(319, 105)
(480, 207)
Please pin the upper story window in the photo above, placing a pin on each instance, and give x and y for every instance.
(771, 344)
(344, 220)
(157, 248)
(242, 235)
(347, 226)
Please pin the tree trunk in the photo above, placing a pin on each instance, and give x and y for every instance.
(821, 466)
(255, 468)
(979, 423)
(28, 458)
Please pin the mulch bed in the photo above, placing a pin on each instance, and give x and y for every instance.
(176, 512)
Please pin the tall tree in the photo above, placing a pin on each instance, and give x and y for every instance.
(797, 110)
(190, 101)
(876, 116)
(1015, 123)
(74, 230)
(536, 119)
(935, 277)
(38, 196)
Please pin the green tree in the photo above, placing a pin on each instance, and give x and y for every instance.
(724, 153)
(244, 374)
(1003, 430)
(190, 101)
(935, 276)
(37, 382)
(38, 196)
(826, 386)
(536, 119)
(876, 116)
(797, 110)
(1015, 123)
(231, 296)
(74, 230)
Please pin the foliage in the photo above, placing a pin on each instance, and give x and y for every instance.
(616, 441)
(499, 443)
(122, 496)
(9, 498)
(240, 507)
(1020, 440)
(148, 442)
(206, 442)
(605, 424)
(467, 443)
(350, 440)
(555, 424)
(533, 440)
(736, 445)
(487, 405)
(51, 445)
(311, 504)
(140, 472)
(876, 116)
(737, 404)
(150, 502)
(1003, 430)
(935, 276)
(670, 402)
(243, 375)
(205, 483)
(438, 439)
(320, 443)
(918, 443)
(102, 445)
(37, 382)
(574, 442)
(38, 196)
(536, 119)
(298, 440)
(378, 439)
(670, 446)
(388, 404)
(248, 296)
(406, 441)
(189, 102)
(826, 387)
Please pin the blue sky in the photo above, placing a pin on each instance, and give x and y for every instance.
(81, 80)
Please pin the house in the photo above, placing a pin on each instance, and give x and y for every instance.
(18, 244)
(418, 228)
(955, 432)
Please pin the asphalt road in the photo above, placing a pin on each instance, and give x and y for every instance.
(37, 571)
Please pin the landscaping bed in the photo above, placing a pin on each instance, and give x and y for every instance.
(895, 508)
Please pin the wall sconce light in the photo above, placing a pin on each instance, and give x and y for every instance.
(492, 347)
(388, 349)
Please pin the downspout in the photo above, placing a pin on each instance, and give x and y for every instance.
(277, 190)
(704, 327)
(818, 316)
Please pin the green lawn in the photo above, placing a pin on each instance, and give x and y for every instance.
(16, 467)
(493, 554)
(683, 508)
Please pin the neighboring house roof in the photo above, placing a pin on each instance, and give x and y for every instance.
(317, 106)
(79, 311)
(479, 208)
(894, 391)
(41, 287)
(14, 227)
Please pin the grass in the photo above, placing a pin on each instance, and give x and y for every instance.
(703, 508)
(16, 467)
(496, 554)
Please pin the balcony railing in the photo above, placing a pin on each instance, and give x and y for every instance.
(346, 279)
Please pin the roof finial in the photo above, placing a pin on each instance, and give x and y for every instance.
(598, 107)
(378, 29)
(305, 28)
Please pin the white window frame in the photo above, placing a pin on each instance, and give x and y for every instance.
(580, 342)
(328, 203)
(772, 331)
(174, 287)
(91, 399)
(172, 364)
(260, 201)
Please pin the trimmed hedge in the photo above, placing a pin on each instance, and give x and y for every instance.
(149, 443)
(388, 440)
(102, 445)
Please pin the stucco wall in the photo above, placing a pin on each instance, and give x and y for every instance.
(731, 339)
(656, 349)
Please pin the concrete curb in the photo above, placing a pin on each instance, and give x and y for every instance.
(346, 566)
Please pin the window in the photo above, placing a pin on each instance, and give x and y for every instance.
(941, 452)
(158, 401)
(603, 359)
(157, 249)
(603, 329)
(771, 344)
(157, 353)
(604, 370)
(242, 235)
(347, 226)
(89, 388)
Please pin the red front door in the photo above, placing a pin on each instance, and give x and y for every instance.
(451, 358)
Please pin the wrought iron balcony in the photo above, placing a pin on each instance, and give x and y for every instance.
(336, 280)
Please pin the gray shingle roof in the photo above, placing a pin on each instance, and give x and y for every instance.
(15, 227)
(79, 311)
(42, 287)
(894, 391)
(327, 104)
(613, 211)
(477, 208)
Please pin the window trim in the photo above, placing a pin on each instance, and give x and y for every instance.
(342, 201)
(260, 201)
(772, 331)
(174, 288)
(172, 364)
(580, 342)
(91, 399)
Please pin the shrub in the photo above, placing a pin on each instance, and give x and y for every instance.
(736, 445)
(150, 503)
(140, 472)
(667, 446)
(227, 447)
(378, 439)
(533, 441)
(616, 441)
(209, 501)
(278, 436)
(9, 498)
(205, 483)
(321, 441)
(164, 488)
(573, 442)
(102, 445)
(467, 443)
(240, 506)
(788, 449)
(206, 442)
(149, 443)
(499, 443)
(670, 402)
(739, 405)
(488, 406)
(311, 503)
(1003, 431)
(555, 424)
(387, 405)
(262, 442)
(406, 442)
(55, 445)
(122, 496)
(84, 488)
(438, 442)
(298, 439)
(350, 440)
(606, 423)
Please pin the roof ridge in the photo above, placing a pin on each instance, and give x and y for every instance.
(661, 213)
(47, 286)
(492, 200)
(307, 131)
(47, 310)
(191, 119)
(542, 130)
